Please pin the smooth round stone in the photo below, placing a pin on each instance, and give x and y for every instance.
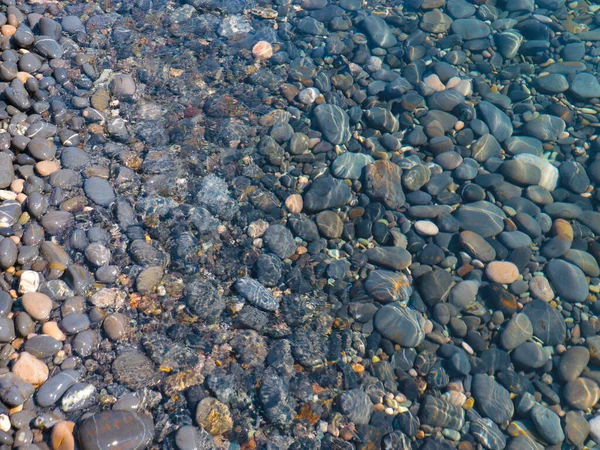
(350, 165)
(268, 269)
(521, 173)
(116, 429)
(387, 286)
(42, 346)
(540, 288)
(576, 428)
(395, 258)
(378, 31)
(116, 326)
(134, 370)
(568, 280)
(383, 180)
(97, 254)
(400, 324)
(56, 222)
(30, 369)
(581, 393)
(7, 329)
(48, 47)
(72, 24)
(357, 406)
(492, 400)
(574, 177)
(84, 343)
(563, 210)
(51, 391)
(435, 286)
(74, 323)
(594, 423)
(463, 294)
(548, 324)
(449, 160)
(508, 43)
(256, 294)
(586, 262)
(437, 412)
(518, 331)
(74, 158)
(545, 127)
(37, 305)
(553, 83)
(514, 239)
(10, 211)
(591, 219)
(549, 173)
(279, 240)
(499, 123)
(573, 362)
(426, 228)
(547, 424)
(191, 438)
(435, 22)
(445, 100)
(327, 193)
(529, 356)
(8, 253)
(585, 86)
(99, 191)
(122, 84)
(502, 272)
(79, 396)
(483, 218)
(539, 195)
(477, 246)
(329, 224)
(29, 62)
(333, 122)
(515, 145)
(7, 172)
(471, 29)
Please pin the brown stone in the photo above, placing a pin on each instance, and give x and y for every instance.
(30, 369)
(503, 272)
(45, 168)
(294, 203)
(62, 436)
(37, 305)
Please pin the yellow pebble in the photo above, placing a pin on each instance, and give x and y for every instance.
(375, 359)
(469, 404)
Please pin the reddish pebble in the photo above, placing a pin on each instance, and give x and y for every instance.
(262, 50)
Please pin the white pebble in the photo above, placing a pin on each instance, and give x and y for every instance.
(426, 227)
(434, 82)
(4, 422)
(29, 282)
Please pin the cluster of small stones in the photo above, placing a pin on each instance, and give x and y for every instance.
(316, 224)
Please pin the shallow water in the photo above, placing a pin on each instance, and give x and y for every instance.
(301, 224)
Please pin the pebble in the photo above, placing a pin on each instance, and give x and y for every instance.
(115, 428)
(400, 324)
(30, 369)
(387, 286)
(568, 280)
(503, 272)
(573, 362)
(491, 399)
(37, 305)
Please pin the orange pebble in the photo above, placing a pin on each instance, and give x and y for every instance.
(62, 436)
(8, 30)
(262, 50)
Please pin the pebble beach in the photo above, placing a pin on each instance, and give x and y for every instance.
(299, 224)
